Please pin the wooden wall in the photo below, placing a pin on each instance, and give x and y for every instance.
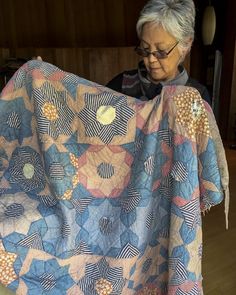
(98, 64)
(68, 23)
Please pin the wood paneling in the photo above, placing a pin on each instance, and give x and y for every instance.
(4, 53)
(68, 23)
(98, 64)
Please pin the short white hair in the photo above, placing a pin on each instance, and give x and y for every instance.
(177, 17)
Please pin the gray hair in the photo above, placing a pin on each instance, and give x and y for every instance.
(177, 17)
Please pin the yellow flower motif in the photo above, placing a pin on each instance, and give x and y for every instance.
(103, 287)
(7, 273)
(50, 111)
(106, 114)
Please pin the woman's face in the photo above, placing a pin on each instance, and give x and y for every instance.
(154, 38)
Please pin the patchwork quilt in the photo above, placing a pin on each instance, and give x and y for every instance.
(100, 193)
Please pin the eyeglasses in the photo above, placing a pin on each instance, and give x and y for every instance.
(160, 54)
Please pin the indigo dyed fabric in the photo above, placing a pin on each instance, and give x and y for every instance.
(101, 193)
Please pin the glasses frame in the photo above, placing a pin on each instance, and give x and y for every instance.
(159, 54)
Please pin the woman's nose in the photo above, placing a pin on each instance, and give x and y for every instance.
(152, 58)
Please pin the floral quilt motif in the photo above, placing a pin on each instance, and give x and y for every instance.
(108, 113)
(102, 280)
(52, 278)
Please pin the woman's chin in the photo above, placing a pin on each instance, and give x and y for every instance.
(156, 77)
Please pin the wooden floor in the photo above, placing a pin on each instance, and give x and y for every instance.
(219, 246)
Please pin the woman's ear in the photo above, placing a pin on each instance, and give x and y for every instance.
(184, 50)
(190, 42)
(188, 46)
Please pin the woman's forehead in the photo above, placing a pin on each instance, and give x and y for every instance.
(153, 33)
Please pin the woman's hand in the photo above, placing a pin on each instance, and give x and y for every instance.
(37, 58)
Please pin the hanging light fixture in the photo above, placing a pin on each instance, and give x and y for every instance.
(208, 24)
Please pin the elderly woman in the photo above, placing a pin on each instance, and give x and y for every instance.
(166, 31)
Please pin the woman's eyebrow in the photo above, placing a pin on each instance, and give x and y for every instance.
(145, 42)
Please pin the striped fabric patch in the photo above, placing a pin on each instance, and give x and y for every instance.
(105, 225)
(194, 291)
(180, 271)
(83, 248)
(14, 210)
(48, 200)
(191, 213)
(115, 273)
(19, 78)
(48, 70)
(71, 79)
(13, 120)
(138, 145)
(131, 202)
(128, 251)
(149, 220)
(166, 186)
(47, 281)
(100, 269)
(107, 135)
(166, 136)
(81, 204)
(179, 172)
(89, 114)
(32, 241)
(105, 170)
(93, 272)
(149, 165)
(95, 101)
(65, 230)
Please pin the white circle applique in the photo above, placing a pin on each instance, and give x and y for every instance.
(28, 170)
(106, 114)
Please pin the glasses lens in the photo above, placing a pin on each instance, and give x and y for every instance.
(141, 52)
(160, 54)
